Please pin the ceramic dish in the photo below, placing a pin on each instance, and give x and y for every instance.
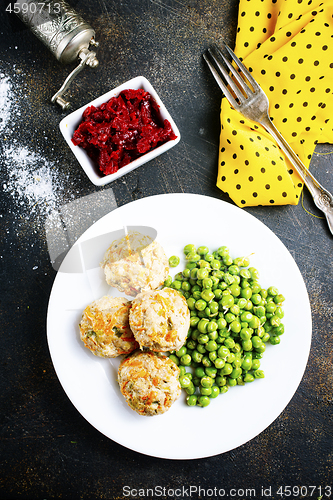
(91, 382)
(69, 124)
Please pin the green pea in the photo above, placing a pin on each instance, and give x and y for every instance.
(202, 325)
(229, 343)
(227, 369)
(220, 381)
(254, 273)
(181, 351)
(235, 326)
(213, 335)
(207, 295)
(246, 293)
(174, 358)
(231, 382)
(245, 273)
(200, 305)
(256, 341)
(248, 377)
(247, 363)
(205, 391)
(168, 281)
(247, 345)
(200, 372)
(219, 363)
(192, 400)
(201, 349)
(258, 374)
(255, 364)
(215, 264)
(211, 345)
(215, 392)
(202, 250)
(207, 283)
(203, 401)
(209, 257)
(189, 248)
(223, 352)
(256, 298)
(202, 273)
(184, 381)
(182, 370)
(192, 257)
(229, 317)
(203, 338)
(275, 340)
(194, 320)
(235, 289)
(196, 356)
(212, 356)
(236, 372)
(186, 360)
(213, 308)
(279, 298)
(211, 371)
(206, 381)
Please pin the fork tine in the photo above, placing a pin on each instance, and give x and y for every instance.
(236, 75)
(218, 58)
(242, 68)
(220, 83)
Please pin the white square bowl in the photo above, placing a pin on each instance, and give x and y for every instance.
(69, 124)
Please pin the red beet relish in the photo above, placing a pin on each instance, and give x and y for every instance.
(122, 129)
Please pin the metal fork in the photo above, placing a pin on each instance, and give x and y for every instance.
(253, 104)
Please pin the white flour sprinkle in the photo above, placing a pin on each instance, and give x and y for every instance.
(5, 100)
(33, 180)
(35, 184)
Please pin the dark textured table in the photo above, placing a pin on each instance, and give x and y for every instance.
(47, 449)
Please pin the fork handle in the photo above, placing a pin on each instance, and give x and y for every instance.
(322, 198)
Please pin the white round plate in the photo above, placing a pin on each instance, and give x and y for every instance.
(182, 432)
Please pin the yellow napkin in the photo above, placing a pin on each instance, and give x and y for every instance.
(288, 47)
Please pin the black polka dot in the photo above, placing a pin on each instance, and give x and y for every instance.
(263, 72)
(263, 170)
(292, 76)
(273, 162)
(293, 44)
(238, 186)
(222, 163)
(251, 28)
(268, 186)
(307, 78)
(277, 73)
(316, 63)
(254, 194)
(271, 88)
(243, 202)
(223, 178)
(243, 14)
(236, 171)
(284, 194)
(294, 134)
(309, 46)
(234, 132)
(257, 154)
(285, 59)
(272, 39)
(317, 33)
(312, 89)
(247, 162)
(234, 156)
(288, 33)
(305, 104)
(279, 178)
(271, 201)
(299, 119)
(324, 47)
(300, 61)
(241, 147)
(250, 178)
(257, 13)
(284, 91)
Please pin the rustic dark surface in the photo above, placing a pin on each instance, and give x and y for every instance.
(47, 449)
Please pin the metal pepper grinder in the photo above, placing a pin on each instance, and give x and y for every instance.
(64, 32)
